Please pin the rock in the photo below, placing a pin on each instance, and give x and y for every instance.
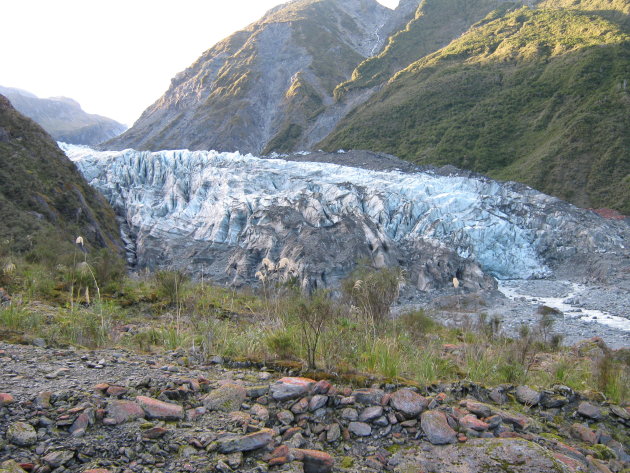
(349, 414)
(21, 434)
(528, 396)
(552, 401)
(42, 400)
(322, 387)
(620, 412)
(291, 388)
(371, 413)
(497, 395)
(246, 443)
(583, 433)
(368, 396)
(82, 422)
(334, 433)
(586, 409)
(10, 466)
(483, 455)
(119, 412)
(285, 417)
(471, 422)
(360, 429)
(314, 461)
(116, 391)
(6, 399)
(317, 402)
(515, 419)
(154, 432)
(408, 402)
(478, 408)
(155, 409)
(260, 412)
(436, 428)
(301, 406)
(58, 458)
(227, 397)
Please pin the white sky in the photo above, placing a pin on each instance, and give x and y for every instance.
(115, 57)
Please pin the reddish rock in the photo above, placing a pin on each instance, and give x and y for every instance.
(314, 461)
(119, 412)
(6, 399)
(81, 423)
(322, 387)
(154, 433)
(96, 470)
(571, 463)
(583, 433)
(436, 428)
(102, 387)
(116, 391)
(155, 409)
(409, 402)
(471, 422)
(478, 408)
(301, 406)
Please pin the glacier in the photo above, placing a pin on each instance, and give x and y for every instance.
(221, 214)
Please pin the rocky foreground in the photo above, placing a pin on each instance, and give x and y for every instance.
(113, 411)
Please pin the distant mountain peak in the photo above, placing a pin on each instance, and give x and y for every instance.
(63, 118)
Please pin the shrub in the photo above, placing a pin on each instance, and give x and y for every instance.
(372, 292)
(314, 313)
(170, 285)
(417, 324)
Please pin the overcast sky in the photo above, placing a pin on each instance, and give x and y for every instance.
(115, 57)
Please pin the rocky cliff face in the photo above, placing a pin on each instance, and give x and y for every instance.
(42, 195)
(63, 118)
(261, 88)
(224, 213)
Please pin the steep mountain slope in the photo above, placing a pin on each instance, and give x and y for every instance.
(42, 195)
(536, 95)
(63, 118)
(261, 88)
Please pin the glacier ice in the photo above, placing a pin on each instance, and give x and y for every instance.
(227, 211)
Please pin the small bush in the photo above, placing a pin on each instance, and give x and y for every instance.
(170, 285)
(281, 343)
(417, 324)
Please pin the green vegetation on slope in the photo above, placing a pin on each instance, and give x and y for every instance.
(537, 95)
(43, 197)
(436, 23)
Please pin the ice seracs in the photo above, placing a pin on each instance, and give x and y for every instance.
(224, 212)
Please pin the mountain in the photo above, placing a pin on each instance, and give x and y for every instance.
(43, 198)
(532, 91)
(538, 95)
(262, 88)
(63, 118)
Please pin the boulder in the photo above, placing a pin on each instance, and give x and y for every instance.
(160, 410)
(483, 455)
(227, 397)
(368, 396)
(246, 443)
(291, 388)
(360, 429)
(528, 396)
(436, 428)
(21, 434)
(314, 461)
(586, 409)
(119, 412)
(408, 402)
